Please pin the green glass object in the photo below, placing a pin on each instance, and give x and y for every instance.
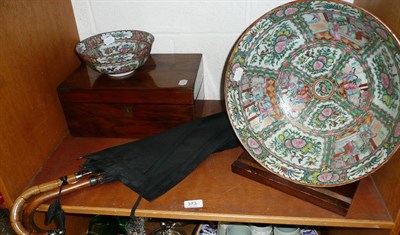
(106, 225)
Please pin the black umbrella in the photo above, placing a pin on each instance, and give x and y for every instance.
(151, 166)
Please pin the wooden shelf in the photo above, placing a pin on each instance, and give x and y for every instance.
(227, 196)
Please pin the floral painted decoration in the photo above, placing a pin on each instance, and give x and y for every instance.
(116, 53)
(312, 90)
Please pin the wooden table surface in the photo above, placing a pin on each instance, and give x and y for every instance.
(226, 196)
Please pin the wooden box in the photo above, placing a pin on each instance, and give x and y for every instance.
(159, 95)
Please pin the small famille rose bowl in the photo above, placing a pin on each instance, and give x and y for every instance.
(116, 53)
(312, 90)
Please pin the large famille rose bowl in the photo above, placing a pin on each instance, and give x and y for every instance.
(312, 91)
(117, 53)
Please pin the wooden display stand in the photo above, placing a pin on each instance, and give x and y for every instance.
(335, 199)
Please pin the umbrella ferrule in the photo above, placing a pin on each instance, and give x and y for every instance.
(95, 179)
(80, 174)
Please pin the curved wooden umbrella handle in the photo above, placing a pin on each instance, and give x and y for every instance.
(16, 211)
(29, 211)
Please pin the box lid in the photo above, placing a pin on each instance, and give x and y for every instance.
(164, 78)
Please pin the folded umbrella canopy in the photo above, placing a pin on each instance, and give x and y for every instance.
(151, 166)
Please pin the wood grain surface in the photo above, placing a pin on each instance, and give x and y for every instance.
(37, 41)
(151, 100)
(227, 196)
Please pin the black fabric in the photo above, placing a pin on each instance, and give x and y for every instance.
(151, 166)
